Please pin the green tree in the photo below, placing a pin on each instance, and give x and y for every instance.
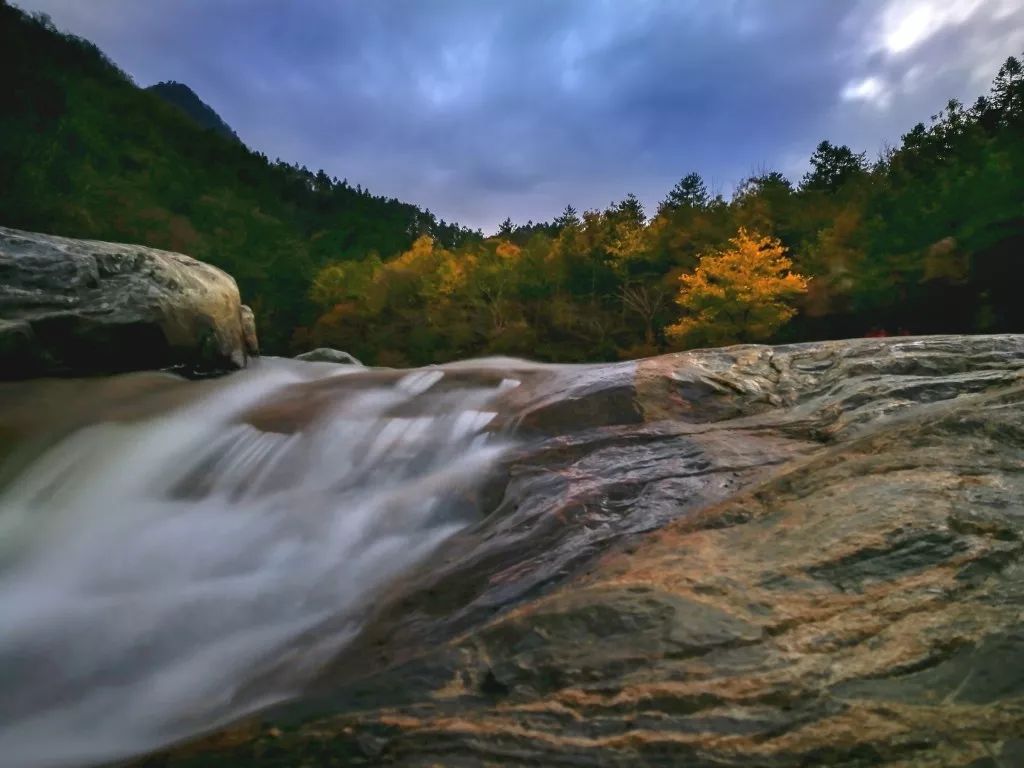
(833, 166)
(689, 192)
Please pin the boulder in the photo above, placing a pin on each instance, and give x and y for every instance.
(327, 355)
(83, 307)
(249, 337)
(755, 556)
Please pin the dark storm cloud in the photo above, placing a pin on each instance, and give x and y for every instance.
(481, 109)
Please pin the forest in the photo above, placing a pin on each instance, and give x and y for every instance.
(84, 152)
(927, 237)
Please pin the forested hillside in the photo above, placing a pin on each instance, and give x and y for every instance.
(927, 238)
(86, 153)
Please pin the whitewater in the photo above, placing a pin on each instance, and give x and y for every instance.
(153, 567)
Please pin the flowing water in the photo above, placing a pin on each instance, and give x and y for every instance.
(151, 564)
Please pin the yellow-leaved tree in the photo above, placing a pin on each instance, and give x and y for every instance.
(740, 294)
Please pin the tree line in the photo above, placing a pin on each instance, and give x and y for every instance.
(926, 238)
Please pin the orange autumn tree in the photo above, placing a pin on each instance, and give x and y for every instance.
(740, 294)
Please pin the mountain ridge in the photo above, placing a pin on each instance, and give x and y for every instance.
(187, 100)
(86, 153)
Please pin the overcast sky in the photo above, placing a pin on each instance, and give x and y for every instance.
(481, 109)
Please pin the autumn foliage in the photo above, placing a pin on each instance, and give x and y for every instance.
(743, 293)
(926, 237)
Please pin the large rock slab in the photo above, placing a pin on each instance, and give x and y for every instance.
(753, 556)
(82, 307)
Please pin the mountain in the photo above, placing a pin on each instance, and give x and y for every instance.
(86, 153)
(185, 99)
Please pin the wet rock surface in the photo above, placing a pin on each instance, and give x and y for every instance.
(328, 355)
(754, 556)
(249, 337)
(83, 307)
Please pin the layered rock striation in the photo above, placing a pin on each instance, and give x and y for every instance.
(753, 556)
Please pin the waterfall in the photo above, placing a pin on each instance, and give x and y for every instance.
(149, 566)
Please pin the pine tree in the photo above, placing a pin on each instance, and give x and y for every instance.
(689, 192)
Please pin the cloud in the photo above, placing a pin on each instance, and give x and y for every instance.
(873, 90)
(905, 24)
(482, 110)
(906, 58)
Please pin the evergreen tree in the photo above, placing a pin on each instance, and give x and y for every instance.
(833, 166)
(568, 218)
(690, 192)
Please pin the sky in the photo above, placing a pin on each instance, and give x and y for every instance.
(482, 109)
